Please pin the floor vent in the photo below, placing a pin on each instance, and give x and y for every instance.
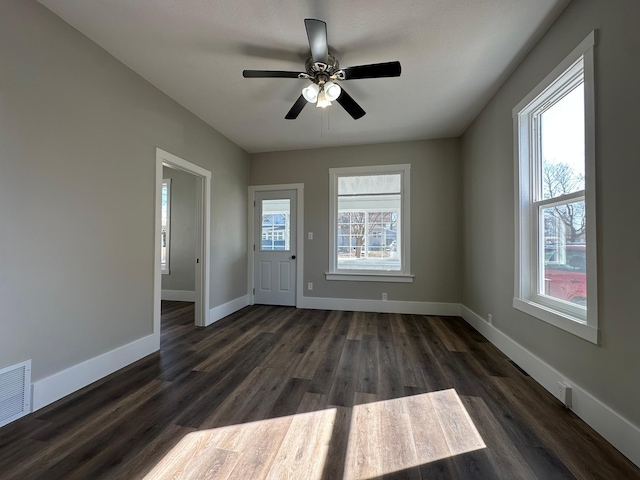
(15, 392)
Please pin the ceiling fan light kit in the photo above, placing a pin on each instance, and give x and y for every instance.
(310, 92)
(323, 70)
(332, 91)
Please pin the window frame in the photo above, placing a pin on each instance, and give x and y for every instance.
(571, 318)
(404, 274)
(165, 268)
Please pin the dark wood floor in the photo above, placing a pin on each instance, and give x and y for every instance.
(275, 392)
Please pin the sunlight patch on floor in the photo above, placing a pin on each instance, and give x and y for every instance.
(384, 437)
(394, 435)
(292, 447)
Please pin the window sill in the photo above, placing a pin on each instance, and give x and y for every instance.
(369, 277)
(558, 319)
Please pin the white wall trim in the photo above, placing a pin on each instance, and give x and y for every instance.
(616, 429)
(228, 308)
(382, 306)
(203, 267)
(65, 382)
(179, 295)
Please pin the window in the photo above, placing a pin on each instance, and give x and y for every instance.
(276, 224)
(165, 225)
(555, 197)
(369, 228)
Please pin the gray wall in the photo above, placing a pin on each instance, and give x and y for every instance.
(609, 371)
(435, 214)
(182, 243)
(78, 132)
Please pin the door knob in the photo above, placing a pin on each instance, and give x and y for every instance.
(293, 257)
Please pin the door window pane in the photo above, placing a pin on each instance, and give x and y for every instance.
(276, 225)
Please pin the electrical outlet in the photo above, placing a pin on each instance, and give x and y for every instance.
(310, 236)
(309, 286)
(564, 393)
(384, 297)
(489, 318)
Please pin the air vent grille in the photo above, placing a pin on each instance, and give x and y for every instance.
(15, 392)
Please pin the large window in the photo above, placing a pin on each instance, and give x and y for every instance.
(369, 238)
(555, 240)
(165, 225)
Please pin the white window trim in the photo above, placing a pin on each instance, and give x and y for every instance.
(165, 269)
(568, 317)
(402, 276)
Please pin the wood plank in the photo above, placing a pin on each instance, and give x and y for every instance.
(194, 458)
(370, 324)
(309, 363)
(451, 341)
(429, 438)
(367, 377)
(303, 451)
(256, 458)
(344, 383)
(338, 444)
(325, 373)
(364, 450)
(389, 380)
(356, 328)
(397, 323)
(408, 361)
(396, 431)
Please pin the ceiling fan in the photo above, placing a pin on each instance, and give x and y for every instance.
(324, 71)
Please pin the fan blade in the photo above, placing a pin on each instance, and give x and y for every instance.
(296, 109)
(269, 74)
(317, 35)
(376, 70)
(350, 105)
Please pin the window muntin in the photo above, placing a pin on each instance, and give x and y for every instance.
(165, 225)
(369, 205)
(555, 249)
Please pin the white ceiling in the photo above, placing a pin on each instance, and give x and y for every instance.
(454, 55)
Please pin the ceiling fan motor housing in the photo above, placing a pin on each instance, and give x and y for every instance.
(329, 69)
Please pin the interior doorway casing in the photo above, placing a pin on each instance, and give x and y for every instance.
(203, 234)
(299, 187)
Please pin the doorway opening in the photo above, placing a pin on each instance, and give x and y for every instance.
(162, 258)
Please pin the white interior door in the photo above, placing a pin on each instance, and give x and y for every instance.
(275, 247)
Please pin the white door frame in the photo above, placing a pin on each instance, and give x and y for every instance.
(203, 229)
(299, 188)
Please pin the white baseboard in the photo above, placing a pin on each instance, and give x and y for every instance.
(65, 382)
(178, 295)
(382, 306)
(221, 311)
(616, 429)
